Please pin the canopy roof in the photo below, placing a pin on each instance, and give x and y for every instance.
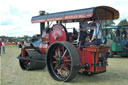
(94, 13)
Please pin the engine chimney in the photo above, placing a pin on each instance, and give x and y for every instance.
(42, 24)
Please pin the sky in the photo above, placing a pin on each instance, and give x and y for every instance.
(15, 15)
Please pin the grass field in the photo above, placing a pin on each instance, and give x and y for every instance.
(12, 74)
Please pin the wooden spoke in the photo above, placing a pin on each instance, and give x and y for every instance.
(61, 73)
(58, 51)
(68, 64)
(54, 62)
(55, 57)
(56, 54)
(67, 60)
(64, 53)
(67, 57)
(56, 67)
(58, 73)
(66, 69)
(63, 49)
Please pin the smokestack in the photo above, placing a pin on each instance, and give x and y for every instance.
(42, 24)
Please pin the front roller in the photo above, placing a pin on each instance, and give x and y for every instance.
(31, 64)
(63, 61)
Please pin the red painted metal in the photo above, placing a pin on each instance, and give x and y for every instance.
(44, 48)
(45, 39)
(23, 50)
(57, 33)
(90, 55)
(45, 36)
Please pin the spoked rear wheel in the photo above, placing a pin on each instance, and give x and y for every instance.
(63, 61)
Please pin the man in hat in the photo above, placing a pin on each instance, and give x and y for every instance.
(96, 37)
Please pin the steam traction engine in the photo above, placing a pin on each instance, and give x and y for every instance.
(56, 48)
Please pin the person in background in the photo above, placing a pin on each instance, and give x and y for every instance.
(3, 47)
(0, 47)
(109, 38)
(117, 35)
(124, 40)
(124, 33)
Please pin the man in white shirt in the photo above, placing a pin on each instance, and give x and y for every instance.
(96, 38)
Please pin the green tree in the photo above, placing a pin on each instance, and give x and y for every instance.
(106, 23)
(26, 37)
(123, 22)
(11, 39)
